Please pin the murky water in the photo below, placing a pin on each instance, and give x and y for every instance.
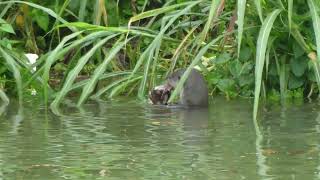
(129, 140)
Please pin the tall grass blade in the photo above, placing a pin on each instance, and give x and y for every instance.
(178, 51)
(14, 67)
(52, 58)
(316, 25)
(158, 11)
(283, 78)
(61, 10)
(104, 76)
(299, 38)
(5, 9)
(99, 71)
(270, 45)
(110, 86)
(65, 49)
(281, 4)
(153, 49)
(259, 9)
(76, 70)
(82, 9)
(212, 14)
(121, 87)
(290, 9)
(241, 11)
(316, 28)
(137, 31)
(4, 97)
(261, 55)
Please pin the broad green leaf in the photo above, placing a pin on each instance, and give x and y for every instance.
(245, 54)
(222, 58)
(295, 82)
(42, 19)
(297, 50)
(226, 85)
(298, 66)
(235, 68)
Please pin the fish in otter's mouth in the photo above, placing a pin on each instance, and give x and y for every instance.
(160, 95)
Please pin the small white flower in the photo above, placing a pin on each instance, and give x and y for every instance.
(32, 59)
(33, 92)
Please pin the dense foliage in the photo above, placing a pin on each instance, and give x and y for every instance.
(104, 48)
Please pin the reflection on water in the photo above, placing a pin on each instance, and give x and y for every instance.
(125, 139)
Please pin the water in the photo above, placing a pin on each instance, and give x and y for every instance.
(125, 139)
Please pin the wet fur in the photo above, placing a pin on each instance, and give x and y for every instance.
(194, 91)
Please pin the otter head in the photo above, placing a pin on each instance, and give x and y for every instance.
(174, 78)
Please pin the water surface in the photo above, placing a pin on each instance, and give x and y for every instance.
(126, 139)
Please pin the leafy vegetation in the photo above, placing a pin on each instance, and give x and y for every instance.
(105, 48)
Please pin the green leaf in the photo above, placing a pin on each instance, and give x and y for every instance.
(295, 82)
(298, 66)
(316, 24)
(245, 54)
(76, 70)
(316, 28)
(158, 11)
(222, 58)
(290, 7)
(261, 55)
(235, 68)
(4, 97)
(241, 12)
(212, 14)
(259, 9)
(89, 87)
(297, 50)
(6, 28)
(53, 56)
(245, 80)
(42, 19)
(14, 68)
(226, 85)
(46, 10)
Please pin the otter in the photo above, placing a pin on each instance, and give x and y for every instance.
(194, 91)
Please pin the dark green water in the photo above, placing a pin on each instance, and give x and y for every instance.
(129, 140)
